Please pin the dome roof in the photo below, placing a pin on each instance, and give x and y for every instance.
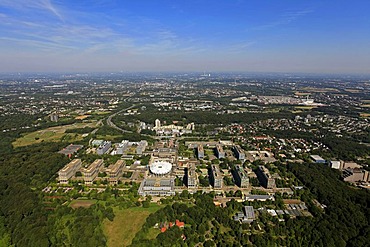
(160, 167)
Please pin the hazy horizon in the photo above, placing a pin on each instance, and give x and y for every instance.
(319, 37)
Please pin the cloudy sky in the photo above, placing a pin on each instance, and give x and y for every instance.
(323, 36)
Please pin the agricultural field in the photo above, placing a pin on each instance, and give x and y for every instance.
(52, 134)
(126, 223)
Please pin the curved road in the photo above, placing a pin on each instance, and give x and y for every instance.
(111, 124)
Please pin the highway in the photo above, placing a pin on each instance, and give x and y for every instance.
(111, 124)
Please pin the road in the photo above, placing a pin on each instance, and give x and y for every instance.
(111, 124)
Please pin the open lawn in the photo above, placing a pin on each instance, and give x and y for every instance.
(302, 93)
(82, 203)
(126, 223)
(52, 134)
(366, 105)
(82, 117)
(107, 137)
(305, 107)
(318, 90)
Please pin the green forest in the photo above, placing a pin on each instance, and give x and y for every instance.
(26, 219)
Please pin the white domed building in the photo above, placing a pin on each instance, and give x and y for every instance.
(160, 168)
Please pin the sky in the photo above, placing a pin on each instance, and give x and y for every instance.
(313, 36)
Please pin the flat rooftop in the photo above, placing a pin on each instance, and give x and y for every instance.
(71, 149)
(117, 165)
(94, 165)
(70, 165)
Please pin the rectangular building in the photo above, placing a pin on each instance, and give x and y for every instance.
(192, 179)
(141, 147)
(103, 148)
(216, 177)
(91, 172)
(70, 149)
(336, 164)
(239, 152)
(261, 198)
(200, 151)
(317, 159)
(355, 175)
(157, 187)
(220, 151)
(265, 178)
(69, 171)
(241, 177)
(249, 214)
(246, 216)
(115, 171)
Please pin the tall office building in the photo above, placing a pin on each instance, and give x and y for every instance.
(220, 151)
(192, 180)
(239, 152)
(200, 151)
(265, 178)
(216, 177)
(241, 177)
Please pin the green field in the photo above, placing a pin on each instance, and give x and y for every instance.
(126, 223)
(52, 134)
(305, 107)
(107, 137)
(82, 203)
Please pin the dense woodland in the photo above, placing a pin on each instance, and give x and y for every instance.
(25, 219)
(345, 221)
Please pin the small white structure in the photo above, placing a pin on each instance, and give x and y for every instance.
(335, 164)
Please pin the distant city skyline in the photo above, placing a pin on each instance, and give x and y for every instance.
(196, 35)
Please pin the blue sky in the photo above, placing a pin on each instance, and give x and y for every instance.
(195, 35)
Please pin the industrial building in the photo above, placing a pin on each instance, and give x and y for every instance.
(265, 178)
(91, 172)
(200, 151)
(239, 152)
(115, 171)
(216, 177)
(69, 171)
(103, 148)
(220, 151)
(241, 177)
(157, 187)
